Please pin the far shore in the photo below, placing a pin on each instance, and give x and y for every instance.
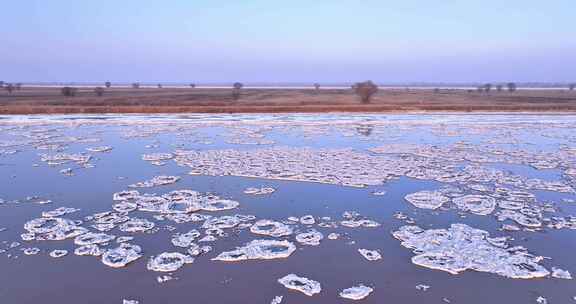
(42, 100)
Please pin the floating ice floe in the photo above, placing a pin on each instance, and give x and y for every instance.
(422, 287)
(258, 250)
(91, 250)
(259, 191)
(169, 261)
(356, 292)
(561, 274)
(370, 255)
(270, 228)
(156, 157)
(59, 212)
(477, 204)
(53, 228)
(359, 223)
(100, 149)
(310, 237)
(160, 180)
(427, 199)
(307, 220)
(185, 239)
(307, 286)
(519, 218)
(136, 225)
(128, 301)
(462, 248)
(333, 236)
(121, 255)
(91, 238)
(31, 251)
(225, 221)
(125, 207)
(126, 195)
(58, 253)
(218, 205)
(277, 300)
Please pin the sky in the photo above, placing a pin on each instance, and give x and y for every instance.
(216, 41)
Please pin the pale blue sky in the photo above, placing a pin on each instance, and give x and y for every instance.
(288, 41)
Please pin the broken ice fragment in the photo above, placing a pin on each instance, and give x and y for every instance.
(185, 239)
(477, 204)
(160, 180)
(462, 247)
(310, 237)
(356, 292)
(58, 253)
(277, 300)
(258, 250)
(307, 286)
(561, 274)
(270, 228)
(93, 238)
(370, 255)
(169, 261)
(427, 199)
(121, 255)
(31, 251)
(136, 225)
(259, 191)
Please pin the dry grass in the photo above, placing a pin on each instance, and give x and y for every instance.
(171, 100)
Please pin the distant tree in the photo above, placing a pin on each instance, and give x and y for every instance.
(192, 85)
(99, 91)
(487, 87)
(159, 85)
(499, 88)
(511, 87)
(236, 90)
(18, 86)
(365, 90)
(69, 91)
(480, 89)
(136, 85)
(9, 87)
(317, 87)
(107, 84)
(2, 84)
(436, 90)
(572, 86)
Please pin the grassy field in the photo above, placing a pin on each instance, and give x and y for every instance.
(200, 100)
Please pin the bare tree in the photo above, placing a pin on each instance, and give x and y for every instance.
(436, 90)
(69, 91)
(365, 90)
(9, 87)
(192, 85)
(18, 86)
(136, 85)
(572, 86)
(480, 89)
(511, 87)
(317, 87)
(499, 88)
(236, 90)
(159, 85)
(2, 84)
(487, 87)
(107, 84)
(99, 91)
